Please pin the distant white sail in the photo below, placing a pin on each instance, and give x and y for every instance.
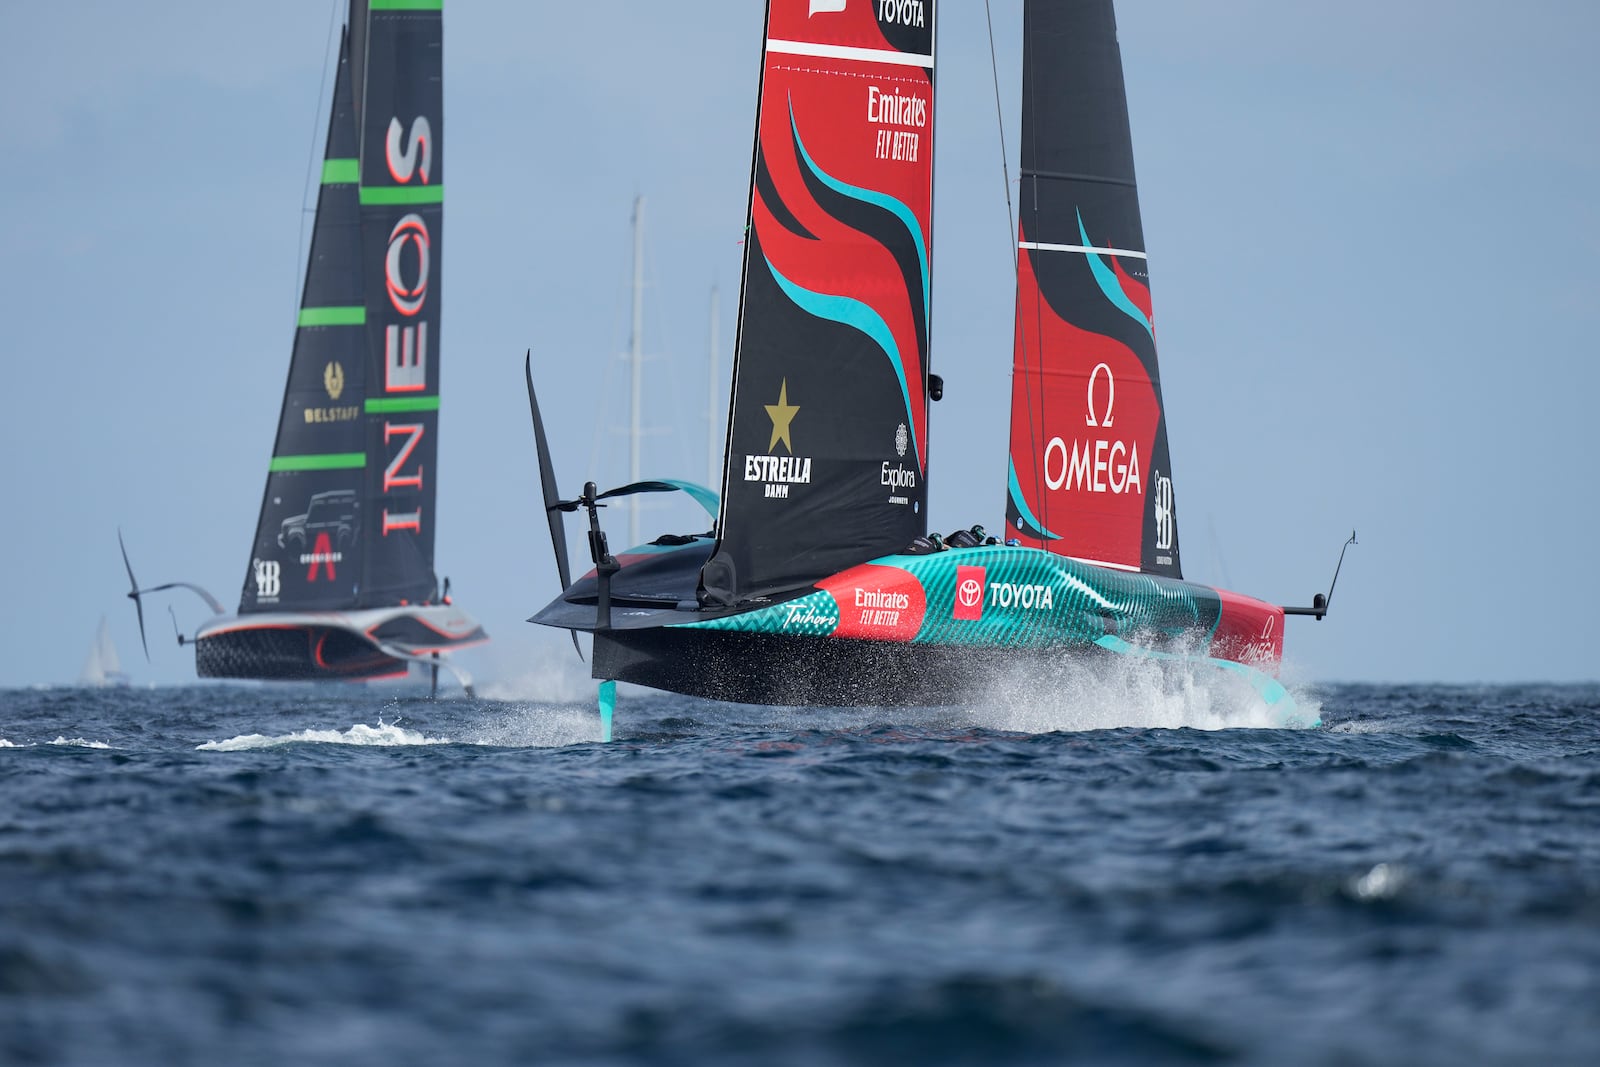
(102, 667)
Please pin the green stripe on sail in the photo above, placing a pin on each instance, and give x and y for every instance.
(328, 461)
(385, 405)
(402, 194)
(407, 5)
(343, 316)
(341, 171)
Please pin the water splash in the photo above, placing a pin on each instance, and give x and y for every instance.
(544, 676)
(7, 744)
(536, 726)
(78, 742)
(383, 735)
(1122, 692)
(1383, 881)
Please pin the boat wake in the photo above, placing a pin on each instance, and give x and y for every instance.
(518, 726)
(78, 742)
(383, 735)
(1123, 692)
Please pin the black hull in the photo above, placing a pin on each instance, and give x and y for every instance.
(783, 669)
(292, 654)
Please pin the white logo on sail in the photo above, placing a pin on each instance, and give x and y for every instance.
(269, 582)
(403, 163)
(1095, 466)
(1163, 511)
(901, 440)
(411, 230)
(406, 347)
(826, 6)
(905, 12)
(1111, 395)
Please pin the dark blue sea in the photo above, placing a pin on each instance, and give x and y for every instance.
(348, 875)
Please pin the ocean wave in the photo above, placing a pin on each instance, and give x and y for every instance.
(78, 742)
(383, 735)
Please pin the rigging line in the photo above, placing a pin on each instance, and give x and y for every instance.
(1039, 474)
(1000, 124)
(1013, 237)
(311, 161)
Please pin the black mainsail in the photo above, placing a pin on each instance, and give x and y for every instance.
(341, 581)
(1090, 475)
(402, 215)
(347, 518)
(307, 553)
(826, 462)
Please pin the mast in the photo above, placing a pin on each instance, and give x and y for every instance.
(636, 360)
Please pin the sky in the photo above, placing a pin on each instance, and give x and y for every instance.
(1374, 237)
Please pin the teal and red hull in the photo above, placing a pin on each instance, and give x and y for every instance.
(905, 630)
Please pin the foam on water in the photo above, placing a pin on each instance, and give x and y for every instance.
(383, 735)
(78, 742)
(1360, 728)
(1131, 692)
(7, 744)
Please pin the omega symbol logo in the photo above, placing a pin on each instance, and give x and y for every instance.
(268, 581)
(1111, 395)
(411, 230)
(970, 592)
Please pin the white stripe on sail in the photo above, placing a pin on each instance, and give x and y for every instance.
(1082, 249)
(840, 51)
(1104, 563)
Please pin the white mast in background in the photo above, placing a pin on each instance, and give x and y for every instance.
(637, 358)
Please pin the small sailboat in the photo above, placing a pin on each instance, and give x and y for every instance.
(102, 667)
(341, 582)
(819, 584)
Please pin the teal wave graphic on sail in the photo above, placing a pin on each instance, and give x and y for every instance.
(1021, 503)
(1110, 287)
(875, 198)
(857, 315)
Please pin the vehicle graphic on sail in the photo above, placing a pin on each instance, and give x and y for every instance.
(819, 584)
(340, 582)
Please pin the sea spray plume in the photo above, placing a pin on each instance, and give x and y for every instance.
(1118, 692)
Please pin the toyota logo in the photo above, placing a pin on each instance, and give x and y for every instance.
(970, 592)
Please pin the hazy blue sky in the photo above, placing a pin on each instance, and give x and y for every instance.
(1374, 242)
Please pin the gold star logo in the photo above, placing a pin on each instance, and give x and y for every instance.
(782, 414)
(333, 379)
